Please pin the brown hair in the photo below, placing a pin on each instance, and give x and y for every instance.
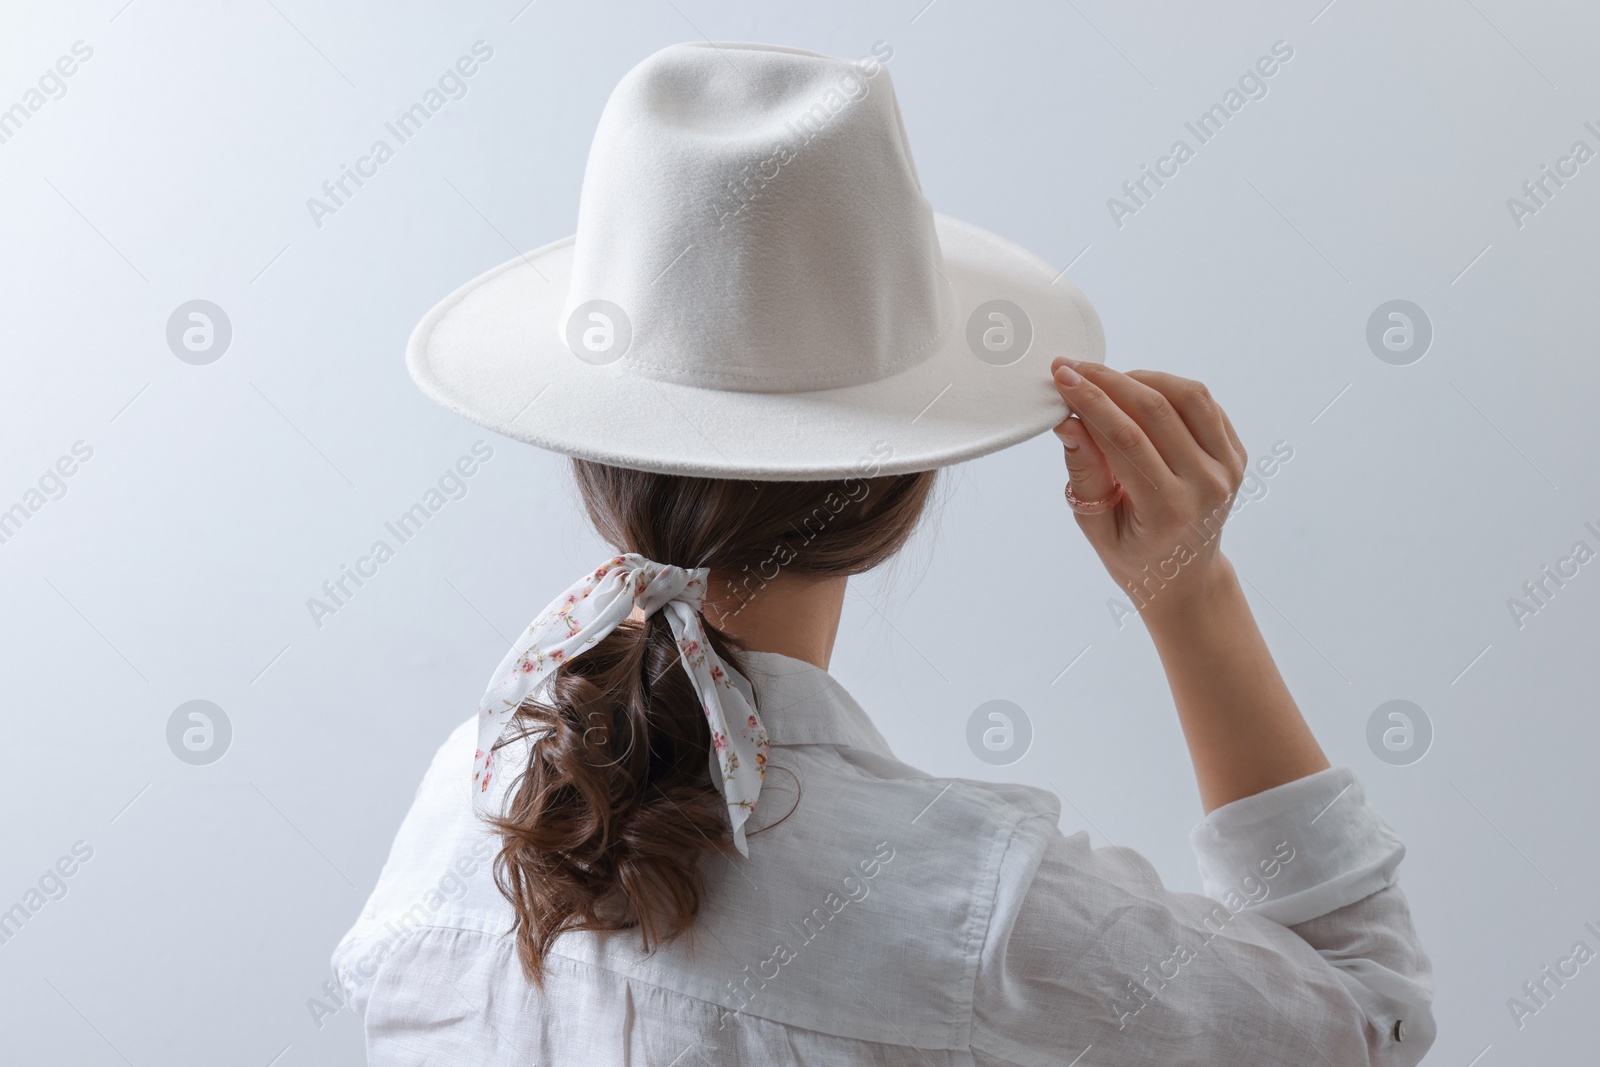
(606, 826)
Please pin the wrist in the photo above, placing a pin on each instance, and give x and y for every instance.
(1201, 594)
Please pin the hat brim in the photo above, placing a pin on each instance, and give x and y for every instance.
(493, 353)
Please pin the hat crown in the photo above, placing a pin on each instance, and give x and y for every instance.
(755, 214)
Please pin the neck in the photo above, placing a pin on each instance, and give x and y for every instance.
(792, 615)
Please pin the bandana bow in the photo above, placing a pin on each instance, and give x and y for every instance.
(578, 619)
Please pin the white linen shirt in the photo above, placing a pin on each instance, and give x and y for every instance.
(897, 918)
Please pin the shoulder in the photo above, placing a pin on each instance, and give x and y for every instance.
(440, 853)
(910, 869)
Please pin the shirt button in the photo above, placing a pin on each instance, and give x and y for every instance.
(1399, 1029)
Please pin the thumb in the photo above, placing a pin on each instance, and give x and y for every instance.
(1087, 468)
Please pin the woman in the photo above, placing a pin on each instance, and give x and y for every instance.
(670, 836)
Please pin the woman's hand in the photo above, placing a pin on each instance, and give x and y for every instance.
(1179, 462)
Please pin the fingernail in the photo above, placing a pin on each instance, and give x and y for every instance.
(1069, 361)
(1068, 440)
(1067, 376)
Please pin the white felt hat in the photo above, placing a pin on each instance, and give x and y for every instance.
(758, 289)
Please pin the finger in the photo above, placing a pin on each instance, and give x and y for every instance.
(1087, 468)
(1194, 404)
(1156, 416)
(1134, 461)
(1233, 436)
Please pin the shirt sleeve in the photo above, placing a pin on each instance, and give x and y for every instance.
(1301, 950)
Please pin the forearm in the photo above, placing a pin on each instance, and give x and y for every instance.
(1244, 731)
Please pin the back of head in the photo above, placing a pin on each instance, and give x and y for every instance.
(606, 826)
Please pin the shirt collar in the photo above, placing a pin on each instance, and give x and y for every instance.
(802, 704)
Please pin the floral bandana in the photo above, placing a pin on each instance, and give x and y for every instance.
(586, 613)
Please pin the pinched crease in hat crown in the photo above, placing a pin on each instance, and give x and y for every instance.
(755, 214)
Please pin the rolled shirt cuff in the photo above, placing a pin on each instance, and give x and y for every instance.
(1298, 850)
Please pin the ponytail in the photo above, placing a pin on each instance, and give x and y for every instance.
(606, 826)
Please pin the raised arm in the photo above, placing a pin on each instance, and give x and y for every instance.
(1180, 463)
(1303, 948)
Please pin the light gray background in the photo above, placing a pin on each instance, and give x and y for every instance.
(219, 498)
